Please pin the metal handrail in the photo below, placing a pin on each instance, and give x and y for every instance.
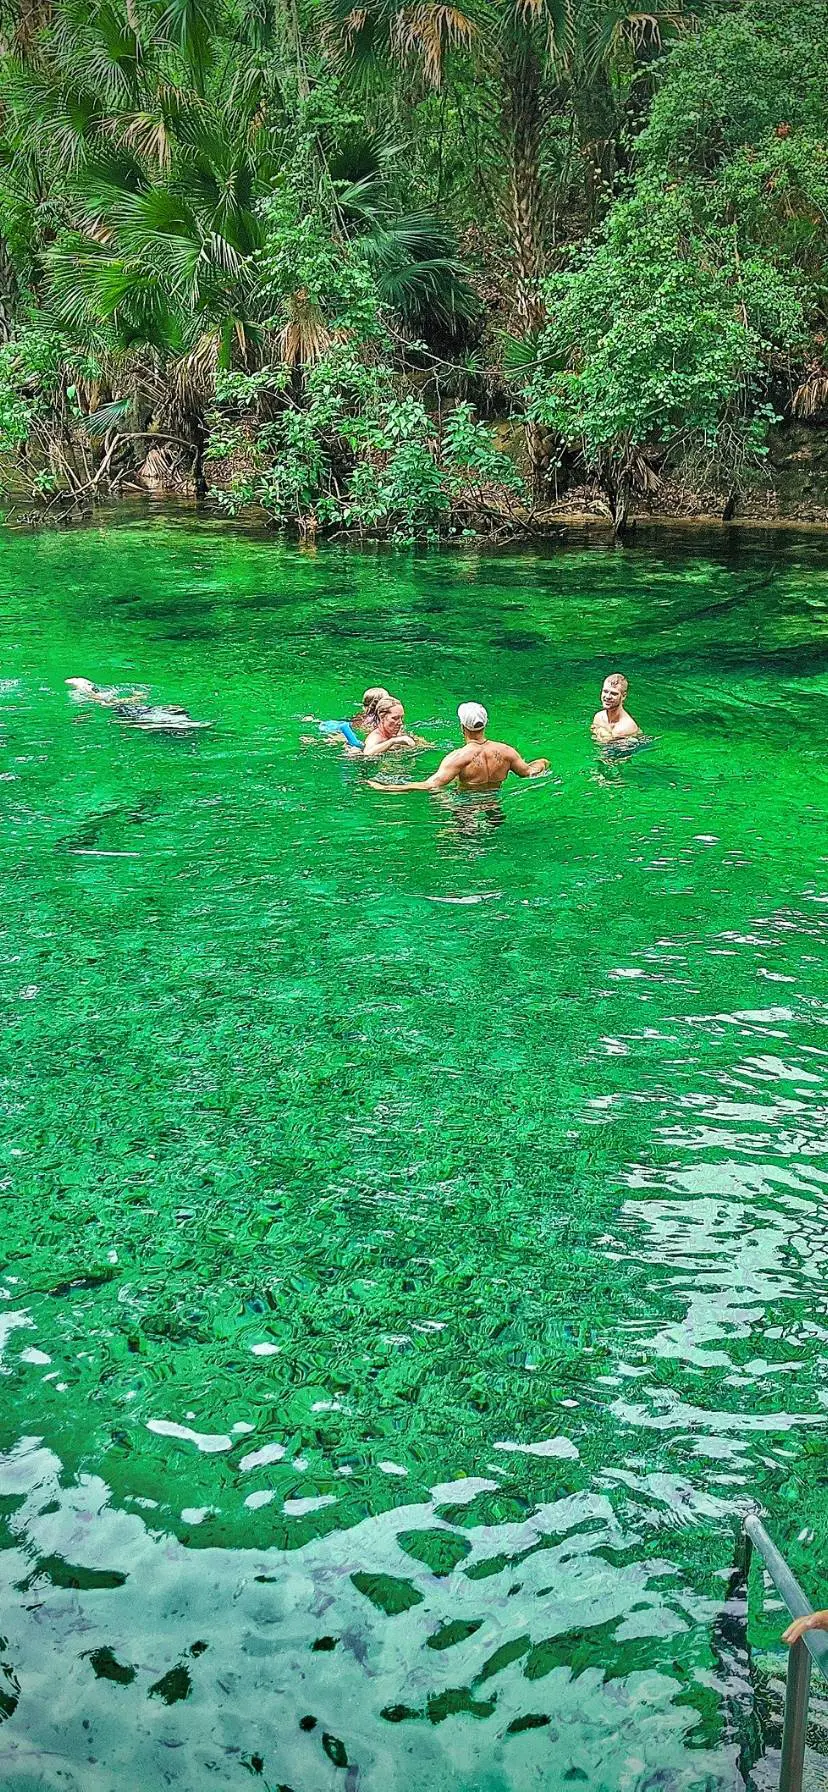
(811, 1648)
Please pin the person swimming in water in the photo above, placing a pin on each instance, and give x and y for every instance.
(611, 721)
(371, 700)
(109, 696)
(388, 731)
(480, 764)
(167, 718)
(367, 719)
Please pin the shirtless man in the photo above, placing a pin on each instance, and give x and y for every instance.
(480, 764)
(611, 721)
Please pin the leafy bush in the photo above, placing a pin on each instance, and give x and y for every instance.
(37, 398)
(663, 337)
(339, 440)
(359, 455)
(753, 68)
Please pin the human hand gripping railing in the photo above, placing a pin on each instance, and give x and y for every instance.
(811, 1646)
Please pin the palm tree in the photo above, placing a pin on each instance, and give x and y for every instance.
(538, 52)
(412, 256)
(152, 263)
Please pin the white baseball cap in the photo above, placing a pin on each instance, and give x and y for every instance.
(472, 716)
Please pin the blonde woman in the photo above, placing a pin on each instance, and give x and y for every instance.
(388, 731)
(367, 718)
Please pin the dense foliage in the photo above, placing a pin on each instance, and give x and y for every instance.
(407, 268)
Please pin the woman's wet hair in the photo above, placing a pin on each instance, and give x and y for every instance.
(385, 706)
(370, 698)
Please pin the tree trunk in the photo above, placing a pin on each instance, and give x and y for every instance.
(295, 40)
(521, 77)
(597, 123)
(199, 446)
(621, 511)
(522, 128)
(22, 25)
(8, 292)
(616, 485)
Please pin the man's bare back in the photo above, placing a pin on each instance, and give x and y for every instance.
(485, 766)
(480, 764)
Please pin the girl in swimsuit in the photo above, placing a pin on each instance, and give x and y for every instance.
(366, 719)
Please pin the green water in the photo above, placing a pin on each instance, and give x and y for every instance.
(413, 1212)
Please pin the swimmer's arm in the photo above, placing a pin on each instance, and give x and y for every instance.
(373, 751)
(439, 780)
(629, 730)
(599, 727)
(527, 769)
(111, 698)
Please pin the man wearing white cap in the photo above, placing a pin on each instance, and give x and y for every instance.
(480, 764)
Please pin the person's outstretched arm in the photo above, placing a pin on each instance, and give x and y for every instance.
(530, 768)
(111, 698)
(445, 774)
(816, 1621)
(374, 749)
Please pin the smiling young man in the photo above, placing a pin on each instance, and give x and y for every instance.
(611, 721)
(480, 764)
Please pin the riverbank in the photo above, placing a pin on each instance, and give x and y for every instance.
(797, 503)
(565, 524)
(790, 495)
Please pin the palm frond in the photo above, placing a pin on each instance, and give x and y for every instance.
(89, 288)
(108, 416)
(417, 270)
(811, 396)
(617, 28)
(427, 30)
(149, 136)
(67, 116)
(98, 48)
(193, 375)
(191, 26)
(305, 338)
(520, 353)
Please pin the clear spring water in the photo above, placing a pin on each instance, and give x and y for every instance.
(413, 1212)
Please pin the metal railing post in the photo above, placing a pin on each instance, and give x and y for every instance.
(797, 1690)
(812, 1647)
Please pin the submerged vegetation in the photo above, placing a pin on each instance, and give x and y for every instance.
(407, 268)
